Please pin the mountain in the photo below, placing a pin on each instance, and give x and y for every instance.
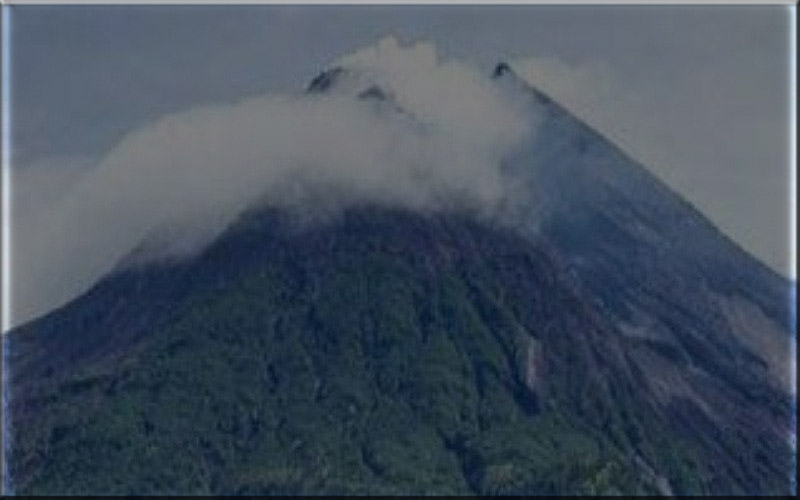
(603, 338)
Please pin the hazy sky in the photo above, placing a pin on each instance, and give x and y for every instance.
(698, 94)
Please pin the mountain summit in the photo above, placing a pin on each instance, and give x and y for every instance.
(592, 333)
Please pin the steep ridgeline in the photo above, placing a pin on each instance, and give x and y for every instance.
(709, 328)
(604, 338)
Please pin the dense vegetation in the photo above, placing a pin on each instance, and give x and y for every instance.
(381, 353)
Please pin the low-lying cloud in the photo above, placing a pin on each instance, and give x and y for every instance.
(435, 141)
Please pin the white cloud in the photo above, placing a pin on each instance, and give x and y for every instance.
(190, 174)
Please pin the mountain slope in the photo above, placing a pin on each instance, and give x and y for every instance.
(653, 263)
(387, 352)
(603, 338)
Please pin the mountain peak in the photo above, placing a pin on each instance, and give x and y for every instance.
(501, 69)
(377, 67)
(324, 80)
(597, 336)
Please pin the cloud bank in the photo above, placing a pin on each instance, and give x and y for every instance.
(434, 141)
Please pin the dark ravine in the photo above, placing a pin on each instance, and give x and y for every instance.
(608, 340)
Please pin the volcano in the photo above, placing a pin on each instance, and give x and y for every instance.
(601, 337)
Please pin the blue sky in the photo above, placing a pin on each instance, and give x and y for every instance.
(698, 94)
